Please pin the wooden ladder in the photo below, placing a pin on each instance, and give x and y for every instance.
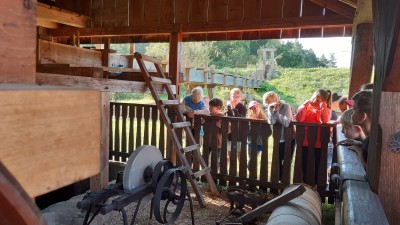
(193, 147)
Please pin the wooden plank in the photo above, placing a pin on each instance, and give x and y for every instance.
(40, 145)
(242, 155)
(252, 9)
(181, 11)
(154, 121)
(334, 32)
(175, 46)
(310, 155)
(75, 71)
(100, 181)
(231, 26)
(18, 35)
(313, 32)
(270, 34)
(311, 9)
(272, 205)
(167, 11)
(288, 155)
(95, 83)
(362, 59)
(271, 9)
(290, 33)
(265, 134)
(61, 16)
(233, 151)
(60, 53)
(337, 7)
(235, 10)
(275, 164)
(151, 12)
(355, 211)
(389, 182)
(146, 131)
(46, 23)
(198, 11)
(136, 13)
(392, 80)
(291, 8)
(218, 10)
(298, 166)
(139, 116)
(124, 114)
(131, 137)
(117, 131)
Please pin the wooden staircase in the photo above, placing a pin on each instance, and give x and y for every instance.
(172, 127)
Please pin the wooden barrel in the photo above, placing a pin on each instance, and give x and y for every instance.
(303, 210)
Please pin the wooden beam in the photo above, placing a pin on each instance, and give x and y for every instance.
(214, 27)
(337, 7)
(57, 15)
(94, 83)
(50, 136)
(175, 46)
(352, 3)
(100, 181)
(46, 23)
(362, 58)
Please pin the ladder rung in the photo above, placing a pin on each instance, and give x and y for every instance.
(191, 148)
(181, 125)
(151, 59)
(160, 80)
(170, 102)
(201, 172)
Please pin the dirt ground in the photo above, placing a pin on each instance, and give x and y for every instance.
(217, 207)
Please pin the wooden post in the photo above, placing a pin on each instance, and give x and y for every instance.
(175, 44)
(17, 42)
(383, 160)
(362, 58)
(100, 181)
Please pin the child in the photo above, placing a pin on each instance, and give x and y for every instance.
(216, 105)
(315, 110)
(353, 133)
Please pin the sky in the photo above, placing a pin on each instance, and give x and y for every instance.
(341, 46)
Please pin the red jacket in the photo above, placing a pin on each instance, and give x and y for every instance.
(310, 114)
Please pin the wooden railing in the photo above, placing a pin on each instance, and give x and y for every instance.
(359, 204)
(133, 125)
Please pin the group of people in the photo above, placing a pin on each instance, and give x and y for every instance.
(355, 121)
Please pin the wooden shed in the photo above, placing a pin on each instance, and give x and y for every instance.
(55, 95)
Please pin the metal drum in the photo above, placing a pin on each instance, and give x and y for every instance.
(303, 210)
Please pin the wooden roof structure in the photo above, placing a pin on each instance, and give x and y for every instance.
(373, 24)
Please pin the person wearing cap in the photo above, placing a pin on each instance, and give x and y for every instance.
(345, 104)
(279, 112)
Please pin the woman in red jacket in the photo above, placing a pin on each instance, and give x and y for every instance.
(315, 110)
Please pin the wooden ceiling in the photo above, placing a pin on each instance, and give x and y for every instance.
(130, 21)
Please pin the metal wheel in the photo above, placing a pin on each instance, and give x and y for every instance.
(170, 192)
(158, 171)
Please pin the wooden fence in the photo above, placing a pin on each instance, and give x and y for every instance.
(232, 163)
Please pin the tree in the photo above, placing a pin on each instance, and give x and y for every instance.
(332, 61)
(323, 61)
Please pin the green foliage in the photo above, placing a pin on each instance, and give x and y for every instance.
(126, 96)
(297, 85)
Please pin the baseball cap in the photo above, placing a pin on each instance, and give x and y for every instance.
(252, 103)
(349, 102)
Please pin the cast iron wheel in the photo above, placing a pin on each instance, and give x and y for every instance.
(171, 188)
(158, 171)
